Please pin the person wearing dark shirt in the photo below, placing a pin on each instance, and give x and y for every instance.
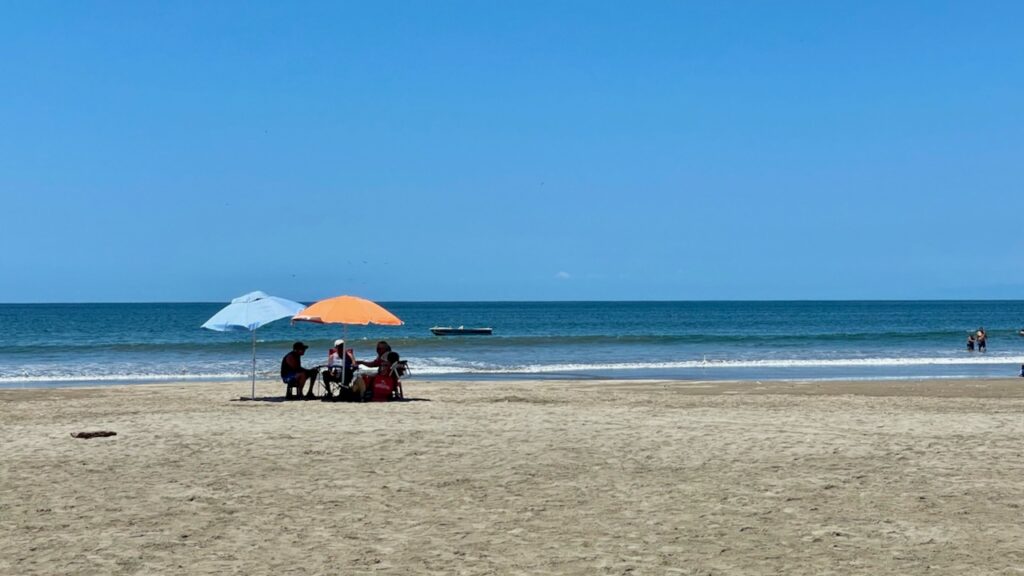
(294, 375)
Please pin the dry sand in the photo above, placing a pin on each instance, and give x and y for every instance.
(518, 478)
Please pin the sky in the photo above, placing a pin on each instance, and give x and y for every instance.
(420, 151)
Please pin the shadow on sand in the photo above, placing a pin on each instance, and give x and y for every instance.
(282, 399)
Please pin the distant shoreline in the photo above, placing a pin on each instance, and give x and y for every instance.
(893, 383)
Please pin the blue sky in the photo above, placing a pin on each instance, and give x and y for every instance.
(511, 151)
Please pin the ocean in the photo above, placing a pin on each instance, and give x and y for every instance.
(89, 344)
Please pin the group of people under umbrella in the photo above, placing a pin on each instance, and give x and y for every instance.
(250, 311)
(339, 375)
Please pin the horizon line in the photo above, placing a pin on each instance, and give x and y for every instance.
(511, 301)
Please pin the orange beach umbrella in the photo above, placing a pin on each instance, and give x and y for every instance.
(347, 310)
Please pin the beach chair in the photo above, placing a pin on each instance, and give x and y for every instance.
(389, 386)
(383, 388)
(398, 370)
(337, 380)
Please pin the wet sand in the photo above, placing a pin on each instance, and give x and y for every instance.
(532, 477)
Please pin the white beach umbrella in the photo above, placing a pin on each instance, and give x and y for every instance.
(249, 312)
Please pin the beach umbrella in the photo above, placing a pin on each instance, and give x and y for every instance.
(347, 310)
(249, 312)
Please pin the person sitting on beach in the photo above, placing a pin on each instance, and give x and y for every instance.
(294, 375)
(970, 342)
(981, 338)
(390, 370)
(382, 350)
(392, 365)
(396, 368)
(334, 359)
(365, 383)
(339, 370)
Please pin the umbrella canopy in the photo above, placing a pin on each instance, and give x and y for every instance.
(347, 310)
(247, 313)
(250, 311)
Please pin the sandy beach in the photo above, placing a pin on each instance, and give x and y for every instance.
(539, 477)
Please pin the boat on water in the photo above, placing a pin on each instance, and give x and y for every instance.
(460, 331)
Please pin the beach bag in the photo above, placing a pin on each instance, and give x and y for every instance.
(347, 394)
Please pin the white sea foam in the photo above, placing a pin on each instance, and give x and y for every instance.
(114, 378)
(441, 366)
(713, 364)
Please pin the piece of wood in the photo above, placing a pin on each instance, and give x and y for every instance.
(95, 434)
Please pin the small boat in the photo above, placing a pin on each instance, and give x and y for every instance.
(460, 331)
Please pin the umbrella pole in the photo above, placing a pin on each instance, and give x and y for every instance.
(253, 364)
(341, 357)
(344, 336)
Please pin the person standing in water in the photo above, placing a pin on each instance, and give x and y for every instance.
(980, 337)
(970, 342)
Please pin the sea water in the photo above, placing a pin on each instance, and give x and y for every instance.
(86, 344)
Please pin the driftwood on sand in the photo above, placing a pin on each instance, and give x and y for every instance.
(95, 434)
